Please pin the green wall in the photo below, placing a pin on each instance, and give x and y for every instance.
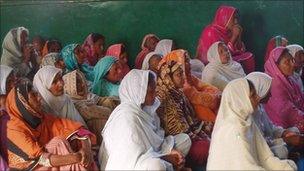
(129, 21)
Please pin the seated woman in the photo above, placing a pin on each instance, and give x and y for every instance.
(236, 142)
(297, 53)
(285, 107)
(176, 113)
(8, 81)
(48, 81)
(151, 62)
(94, 46)
(17, 53)
(74, 57)
(133, 138)
(119, 51)
(148, 45)
(108, 74)
(53, 59)
(275, 136)
(204, 98)
(273, 43)
(51, 46)
(221, 68)
(39, 141)
(226, 27)
(164, 47)
(94, 110)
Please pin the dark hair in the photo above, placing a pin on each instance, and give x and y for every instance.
(251, 85)
(285, 52)
(151, 78)
(96, 37)
(123, 49)
(52, 42)
(38, 37)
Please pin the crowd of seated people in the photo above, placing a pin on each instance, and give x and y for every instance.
(81, 106)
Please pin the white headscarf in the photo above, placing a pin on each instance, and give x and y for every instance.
(164, 47)
(62, 106)
(197, 67)
(132, 136)
(293, 49)
(12, 52)
(145, 64)
(4, 73)
(238, 138)
(219, 74)
(261, 82)
(50, 59)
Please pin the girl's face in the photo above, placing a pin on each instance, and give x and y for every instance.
(80, 85)
(224, 53)
(151, 43)
(34, 100)
(286, 64)
(115, 73)
(99, 47)
(80, 54)
(178, 78)
(57, 85)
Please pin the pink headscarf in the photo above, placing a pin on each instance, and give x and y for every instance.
(115, 51)
(273, 43)
(286, 104)
(142, 54)
(217, 31)
(88, 46)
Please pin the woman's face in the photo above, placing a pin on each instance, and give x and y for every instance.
(55, 47)
(99, 47)
(187, 64)
(10, 82)
(123, 58)
(115, 73)
(60, 64)
(80, 54)
(151, 93)
(57, 85)
(286, 64)
(284, 42)
(151, 43)
(299, 59)
(23, 39)
(178, 78)
(254, 98)
(234, 20)
(80, 85)
(153, 63)
(224, 53)
(34, 100)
